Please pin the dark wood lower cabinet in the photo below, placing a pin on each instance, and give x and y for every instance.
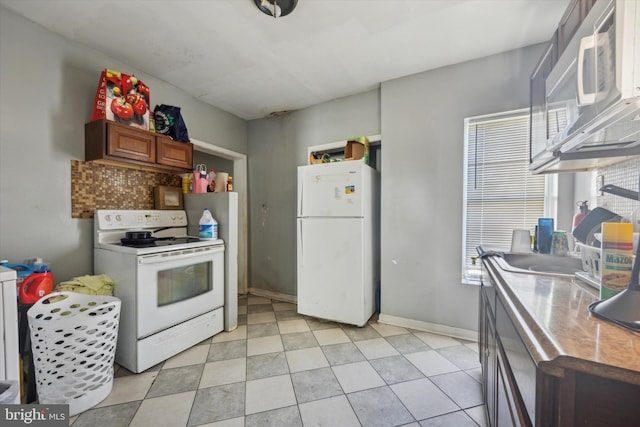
(518, 393)
(503, 399)
(488, 359)
(589, 400)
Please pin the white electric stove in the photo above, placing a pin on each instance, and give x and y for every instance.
(171, 284)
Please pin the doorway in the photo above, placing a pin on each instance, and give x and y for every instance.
(240, 179)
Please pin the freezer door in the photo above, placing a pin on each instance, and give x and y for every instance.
(334, 276)
(332, 189)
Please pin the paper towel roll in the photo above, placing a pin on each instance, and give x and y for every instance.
(221, 181)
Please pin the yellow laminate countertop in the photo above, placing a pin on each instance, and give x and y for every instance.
(552, 316)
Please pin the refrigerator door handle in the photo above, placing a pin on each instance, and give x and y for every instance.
(300, 245)
(300, 192)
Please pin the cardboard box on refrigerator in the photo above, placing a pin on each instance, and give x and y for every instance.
(357, 148)
(121, 98)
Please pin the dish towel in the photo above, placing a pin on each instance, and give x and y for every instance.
(101, 284)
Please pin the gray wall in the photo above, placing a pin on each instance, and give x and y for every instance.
(422, 163)
(47, 85)
(277, 146)
(420, 118)
(217, 163)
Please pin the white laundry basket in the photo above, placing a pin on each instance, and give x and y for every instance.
(73, 339)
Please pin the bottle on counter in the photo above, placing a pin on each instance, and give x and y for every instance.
(212, 181)
(230, 183)
(584, 210)
(617, 258)
(208, 226)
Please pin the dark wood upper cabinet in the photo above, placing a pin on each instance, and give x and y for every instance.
(173, 153)
(110, 141)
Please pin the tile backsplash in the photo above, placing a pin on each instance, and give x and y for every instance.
(626, 175)
(100, 186)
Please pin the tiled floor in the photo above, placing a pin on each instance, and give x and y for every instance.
(279, 368)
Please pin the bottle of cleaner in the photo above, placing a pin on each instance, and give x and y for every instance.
(584, 210)
(617, 258)
(208, 226)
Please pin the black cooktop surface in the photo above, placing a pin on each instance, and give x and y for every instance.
(160, 241)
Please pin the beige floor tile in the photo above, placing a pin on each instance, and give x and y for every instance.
(171, 410)
(331, 336)
(292, 326)
(224, 372)
(233, 422)
(376, 348)
(436, 341)
(284, 306)
(423, 399)
(387, 330)
(431, 363)
(357, 376)
(258, 300)
(269, 393)
(306, 359)
(191, 356)
(255, 318)
(478, 414)
(129, 388)
(238, 333)
(264, 345)
(335, 411)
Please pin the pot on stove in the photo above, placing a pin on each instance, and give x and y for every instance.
(134, 238)
(131, 235)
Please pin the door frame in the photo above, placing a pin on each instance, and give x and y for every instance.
(240, 180)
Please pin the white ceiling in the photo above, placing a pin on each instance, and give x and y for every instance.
(229, 54)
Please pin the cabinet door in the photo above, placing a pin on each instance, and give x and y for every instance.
(489, 369)
(574, 15)
(538, 134)
(130, 143)
(518, 369)
(506, 409)
(569, 24)
(174, 153)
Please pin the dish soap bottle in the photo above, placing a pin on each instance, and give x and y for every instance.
(584, 210)
(208, 226)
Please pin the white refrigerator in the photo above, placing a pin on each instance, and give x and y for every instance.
(338, 241)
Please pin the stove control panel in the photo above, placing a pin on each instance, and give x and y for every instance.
(127, 219)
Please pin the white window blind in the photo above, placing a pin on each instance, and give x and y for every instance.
(500, 193)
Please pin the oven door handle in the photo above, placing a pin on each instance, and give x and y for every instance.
(173, 256)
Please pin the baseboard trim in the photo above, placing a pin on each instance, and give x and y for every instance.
(273, 295)
(435, 328)
(388, 319)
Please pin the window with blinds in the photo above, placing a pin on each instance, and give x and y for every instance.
(500, 193)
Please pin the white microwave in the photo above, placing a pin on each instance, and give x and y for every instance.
(592, 94)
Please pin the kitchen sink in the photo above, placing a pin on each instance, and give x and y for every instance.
(534, 263)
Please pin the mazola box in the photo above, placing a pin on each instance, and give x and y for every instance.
(122, 98)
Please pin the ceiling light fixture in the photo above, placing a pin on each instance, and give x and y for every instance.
(276, 8)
